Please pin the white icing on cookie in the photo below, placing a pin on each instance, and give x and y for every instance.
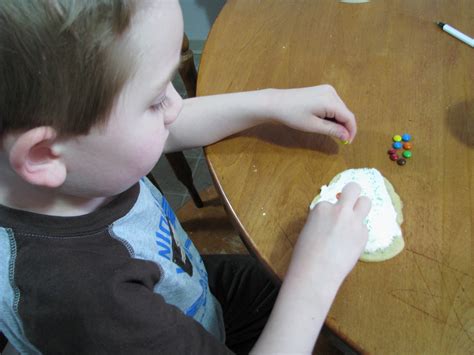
(382, 219)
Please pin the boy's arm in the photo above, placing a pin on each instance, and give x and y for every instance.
(299, 312)
(327, 249)
(208, 119)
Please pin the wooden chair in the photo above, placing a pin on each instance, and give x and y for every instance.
(177, 160)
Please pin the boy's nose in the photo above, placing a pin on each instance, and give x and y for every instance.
(175, 107)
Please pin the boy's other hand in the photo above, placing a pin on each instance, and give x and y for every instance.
(316, 109)
(335, 235)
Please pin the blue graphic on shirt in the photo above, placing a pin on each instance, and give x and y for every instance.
(167, 243)
(200, 302)
(170, 247)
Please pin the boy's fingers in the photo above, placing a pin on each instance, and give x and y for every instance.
(334, 129)
(339, 122)
(339, 113)
(362, 206)
(350, 193)
(347, 119)
(322, 205)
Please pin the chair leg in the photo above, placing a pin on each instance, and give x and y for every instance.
(154, 182)
(3, 342)
(183, 172)
(187, 69)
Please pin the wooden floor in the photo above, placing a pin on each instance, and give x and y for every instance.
(209, 227)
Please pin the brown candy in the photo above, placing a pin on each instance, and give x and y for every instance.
(401, 161)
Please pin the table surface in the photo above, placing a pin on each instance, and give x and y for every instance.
(398, 72)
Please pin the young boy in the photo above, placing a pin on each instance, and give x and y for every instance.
(92, 259)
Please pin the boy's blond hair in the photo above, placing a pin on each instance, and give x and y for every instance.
(61, 63)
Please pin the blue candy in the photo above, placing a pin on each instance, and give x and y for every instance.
(406, 137)
(397, 145)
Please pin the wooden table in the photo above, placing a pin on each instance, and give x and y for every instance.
(398, 72)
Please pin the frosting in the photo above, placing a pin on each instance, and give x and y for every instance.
(382, 219)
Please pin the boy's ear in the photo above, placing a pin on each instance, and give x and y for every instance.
(33, 157)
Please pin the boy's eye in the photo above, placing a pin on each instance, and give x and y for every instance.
(159, 106)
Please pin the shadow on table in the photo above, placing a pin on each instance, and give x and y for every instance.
(291, 138)
(460, 121)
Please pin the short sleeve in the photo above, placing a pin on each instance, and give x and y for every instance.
(112, 309)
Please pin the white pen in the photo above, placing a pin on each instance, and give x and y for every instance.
(456, 33)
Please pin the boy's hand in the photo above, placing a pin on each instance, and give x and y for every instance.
(316, 109)
(327, 249)
(335, 234)
(205, 120)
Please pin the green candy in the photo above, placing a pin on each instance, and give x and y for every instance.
(407, 154)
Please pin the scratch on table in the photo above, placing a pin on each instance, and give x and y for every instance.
(419, 309)
(456, 323)
(416, 292)
(285, 234)
(252, 39)
(423, 277)
(462, 325)
(229, 85)
(441, 263)
(453, 308)
(458, 326)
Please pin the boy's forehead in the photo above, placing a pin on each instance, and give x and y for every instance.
(157, 7)
(155, 39)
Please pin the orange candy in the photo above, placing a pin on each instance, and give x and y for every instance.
(407, 146)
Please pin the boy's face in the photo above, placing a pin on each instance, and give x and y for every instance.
(112, 158)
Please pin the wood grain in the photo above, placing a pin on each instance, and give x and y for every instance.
(398, 72)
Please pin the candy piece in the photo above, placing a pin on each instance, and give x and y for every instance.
(407, 146)
(397, 145)
(394, 157)
(407, 154)
(338, 195)
(406, 137)
(391, 151)
(397, 138)
(345, 142)
(401, 161)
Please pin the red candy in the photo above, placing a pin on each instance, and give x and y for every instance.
(392, 151)
(393, 157)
